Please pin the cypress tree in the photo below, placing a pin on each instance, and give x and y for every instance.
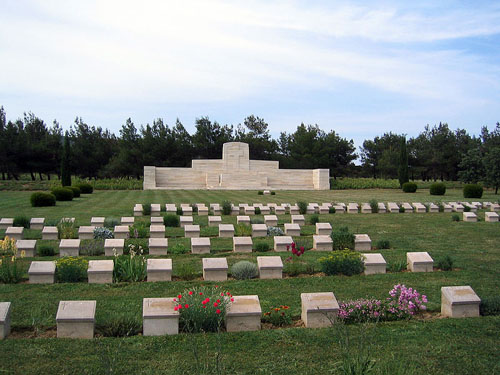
(65, 163)
(403, 163)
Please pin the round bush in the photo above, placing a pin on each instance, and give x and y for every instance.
(314, 219)
(244, 270)
(46, 251)
(85, 188)
(409, 187)
(343, 262)
(63, 194)
(262, 246)
(21, 221)
(171, 220)
(42, 199)
(76, 191)
(473, 191)
(438, 188)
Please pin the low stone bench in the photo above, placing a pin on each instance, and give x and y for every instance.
(158, 246)
(69, 248)
(37, 223)
(156, 220)
(186, 220)
(292, 229)
(159, 269)
(214, 269)
(113, 245)
(319, 309)
(469, 217)
(215, 208)
(155, 209)
(76, 319)
(6, 222)
(419, 262)
(381, 208)
(86, 232)
(242, 244)
(281, 242)
(97, 222)
(28, 246)
(271, 220)
(157, 231)
(127, 220)
(259, 230)
(214, 221)
(50, 233)
(4, 319)
(362, 242)
(240, 219)
(14, 233)
(374, 263)
(138, 209)
(459, 302)
(243, 314)
(419, 208)
(170, 208)
(270, 267)
(191, 231)
(122, 232)
(159, 317)
(366, 208)
(491, 217)
(226, 230)
(322, 243)
(352, 208)
(323, 229)
(100, 271)
(407, 207)
(298, 219)
(42, 272)
(200, 245)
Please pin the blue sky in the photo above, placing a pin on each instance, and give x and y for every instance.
(360, 68)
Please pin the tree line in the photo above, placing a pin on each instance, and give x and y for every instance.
(29, 145)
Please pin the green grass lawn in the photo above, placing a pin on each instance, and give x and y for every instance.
(430, 345)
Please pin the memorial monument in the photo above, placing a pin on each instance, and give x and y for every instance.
(235, 171)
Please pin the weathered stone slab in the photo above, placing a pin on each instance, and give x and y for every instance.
(323, 229)
(100, 271)
(26, 246)
(122, 232)
(433, 208)
(127, 220)
(271, 220)
(215, 208)
(191, 231)
(214, 221)
(6, 222)
(393, 207)
(235, 210)
(259, 230)
(5, 319)
(293, 209)
(170, 208)
(491, 217)
(158, 220)
(281, 242)
(419, 208)
(323, 210)
(495, 207)
(457, 207)
(214, 269)
(158, 246)
(374, 263)
(381, 208)
(419, 262)
(155, 209)
(352, 208)
(362, 242)
(339, 209)
(408, 207)
(200, 245)
(243, 314)
(447, 208)
(97, 221)
(37, 223)
(242, 244)
(113, 246)
(243, 220)
(202, 209)
(264, 210)
(319, 309)
(459, 302)
(366, 208)
(157, 231)
(86, 232)
(270, 267)
(298, 219)
(279, 210)
(159, 269)
(226, 230)
(186, 220)
(138, 209)
(42, 272)
(249, 210)
(292, 229)
(322, 243)
(76, 319)
(15, 233)
(69, 248)
(50, 233)
(312, 208)
(159, 317)
(469, 217)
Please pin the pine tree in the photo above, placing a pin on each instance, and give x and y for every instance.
(65, 163)
(403, 163)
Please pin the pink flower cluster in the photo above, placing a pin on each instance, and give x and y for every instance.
(405, 301)
(295, 251)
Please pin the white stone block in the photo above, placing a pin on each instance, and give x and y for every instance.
(157, 231)
(271, 220)
(298, 219)
(419, 208)
(265, 210)
(259, 230)
(419, 262)
(366, 208)
(292, 229)
(76, 319)
(215, 208)
(235, 210)
(202, 209)
(469, 217)
(37, 223)
(243, 220)
(187, 210)
(186, 220)
(158, 246)
(28, 246)
(447, 208)
(97, 222)
(86, 232)
(323, 210)
(270, 267)
(339, 209)
(100, 271)
(15, 233)
(50, 233)
(6, 222)
(490, 217)
(457, 208)
(170, 208)
(362, 242)
(42, 272)
(393, 207)
(127, 220)
(214, 221)
(214, 269)
(433, 208)
(69, 248)
(249, 210)
(279, 210)
(200, 245)
(381, 208)
(352, 208)
(374, 263)
(293, 209)
(242, 244)
(4, 319)
(323, 229)
(113, 245)
(243, 314)
(138, 209)
(311, 209)
(122, 232)
(159, 269)
(495, 207)
(459, 302)
(226, 230)
(408, 207)
(319, 309)
(191, 231)
(267, 192)
(158, 220)
(322, 243)
(155, 209)
(281, 242)
(159, 317)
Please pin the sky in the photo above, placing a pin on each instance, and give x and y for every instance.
(361, 68)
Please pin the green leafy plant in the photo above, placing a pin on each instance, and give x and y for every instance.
(342, 238)
(146, 209)
(374, 205)
(179, 211)
(455, 217)
(466, 208)
(260, 192)
(490, 306)
(445, 263)
(409, 187)
(383, 244)
(71, 269)
(130, 267)
(243, 230)
(10, 272)
(21, 221)
(343, 262)
(119, 325)
(63, 194)
(314, 219)
(278, 316)
(92, 247)
(46, 251)
(226, 208)
(67, 229)
(401, 209)
(262, 246)
(257, 210)
(171, 220)
(244, 270)
(42, 200)
(256, 220)
(302, 207)
(437, 188)
(178, 248)
(140, 229)
(102, 233)
(331, 210)
(397, 266)
(85, 188)
(76, 191)
(473, 191)
(274, 231)
(273, 193)
(186, 271)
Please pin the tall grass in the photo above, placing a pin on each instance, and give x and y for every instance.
(380, 183)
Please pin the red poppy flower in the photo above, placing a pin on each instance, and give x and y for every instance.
(218, 301)
(232, 299)
(217, 311)
(190, 293)
(201, 293)
(186, 305)
(179, 296)
(216, 304)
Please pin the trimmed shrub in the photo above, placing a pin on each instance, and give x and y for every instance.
(244, 270)
(21, 221)
(42, 199)
(179, 211)
(260, 192)
(466, 209)
(344, 262)
(146, 209)
(76, 191)
(226, 208)
(331, 210)
(178, 248)
(383, 244)
(257, 210)
(273, 193)
(374, 206)
(342, 239)
(171, 220)
(445, 263)
(139, 230)
(401, 209)
(409, 187)
(102, 233)
(91, 247)
(71, 269)
(261, 246)
(314, 219)
(490, 306)
(437, 188)
(302, 207)
(85, 188)
(473, 191)
(63, 194)
(256, 220)
(46, 251)
(455, 217)
(111, 222)
(243, 230)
